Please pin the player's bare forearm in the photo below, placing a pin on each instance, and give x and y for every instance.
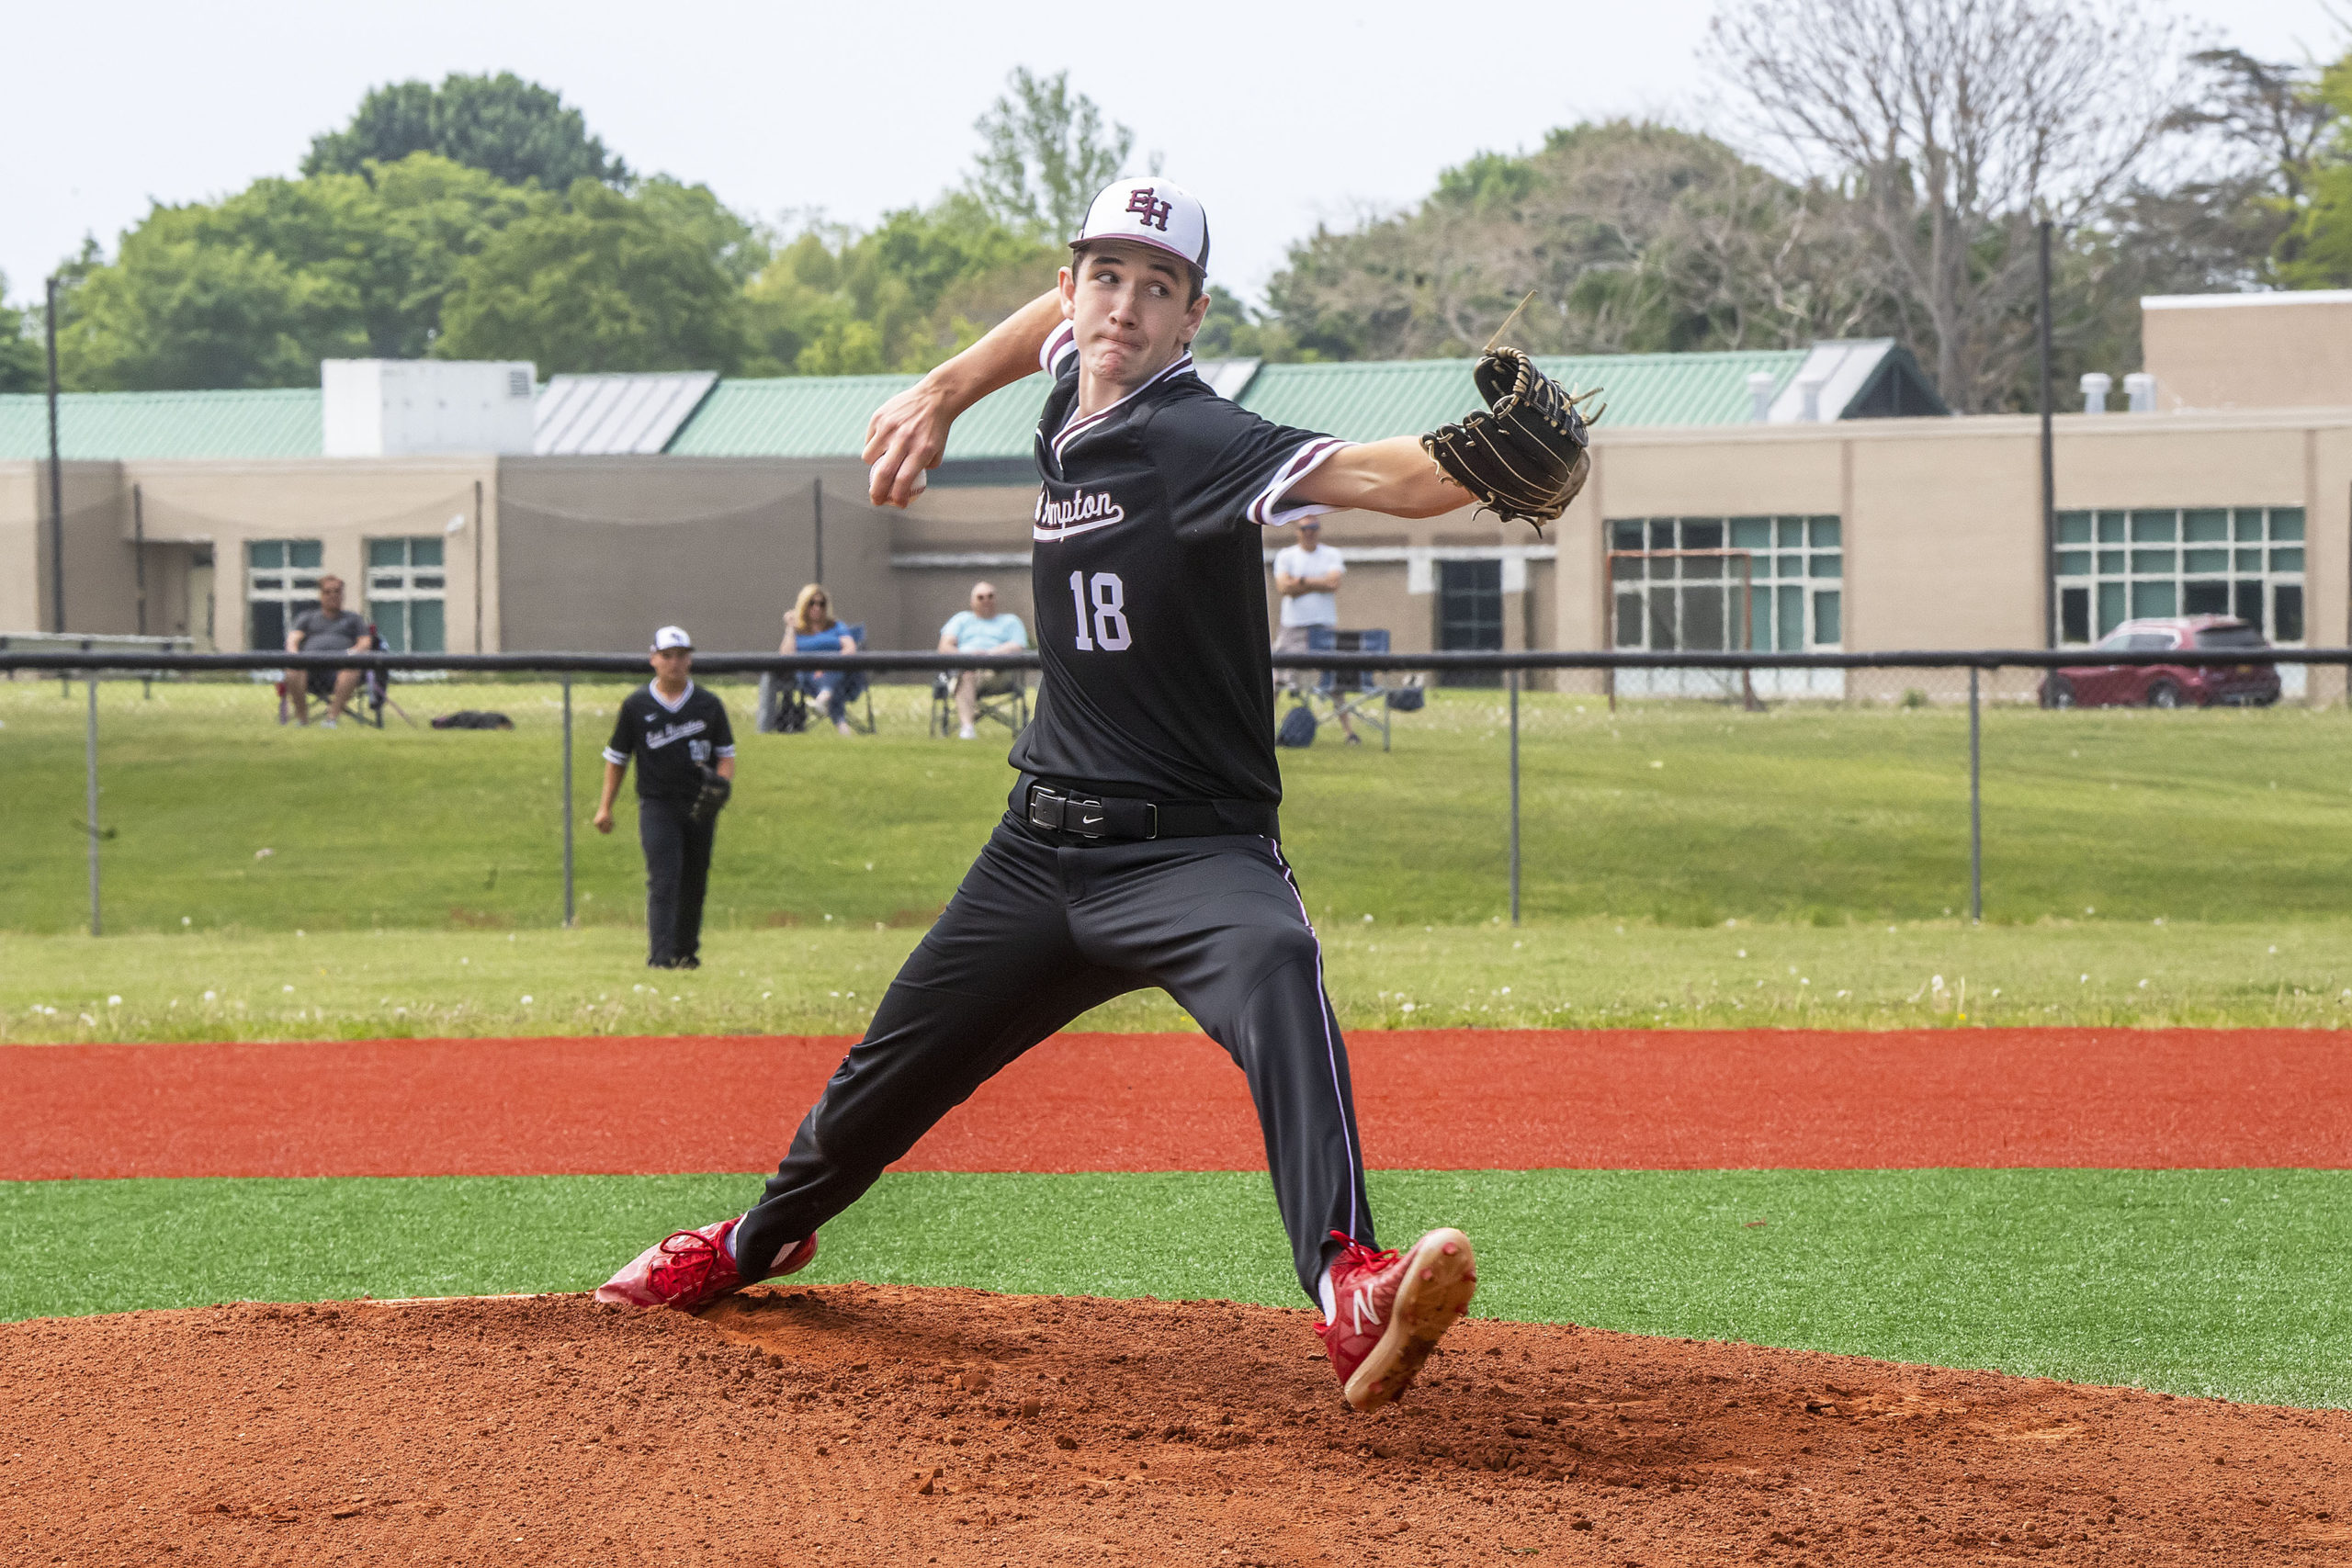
(1393, 476)
(726, 769)
(908, 433)
(603, 820)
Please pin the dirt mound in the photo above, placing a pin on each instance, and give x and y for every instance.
(853, 1423)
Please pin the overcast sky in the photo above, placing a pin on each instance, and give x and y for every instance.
(1278, 116)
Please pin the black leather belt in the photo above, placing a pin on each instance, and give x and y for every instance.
(1068, 809)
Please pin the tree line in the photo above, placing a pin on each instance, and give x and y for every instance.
(1882, 170)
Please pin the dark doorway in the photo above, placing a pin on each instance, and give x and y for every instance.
(1470, 615)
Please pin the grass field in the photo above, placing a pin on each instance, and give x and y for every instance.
(1686, 865)
(1670, 814)
(2228, 1283)
(1585, 973)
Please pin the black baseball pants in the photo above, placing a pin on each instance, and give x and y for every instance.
(677, 873)
(1048, 925)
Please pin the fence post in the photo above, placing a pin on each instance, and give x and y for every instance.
(567, 800)
(90, 795)
(1976, 808)
(1514, 797)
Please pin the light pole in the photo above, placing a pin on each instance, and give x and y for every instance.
(56, 482)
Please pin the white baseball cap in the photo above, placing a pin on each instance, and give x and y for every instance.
(1153, 212)
(672, 636)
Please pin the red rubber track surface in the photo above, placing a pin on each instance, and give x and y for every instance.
(1427, 1099)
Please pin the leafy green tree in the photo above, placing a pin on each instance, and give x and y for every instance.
(606, 280)
(2315, 249)
(1633, 237)
(515, 131)
(921, 285)
(178, 309)
(255, 290)
(1045, 150)
(1233, 330)
(24, 358)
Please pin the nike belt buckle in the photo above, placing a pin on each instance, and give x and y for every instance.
(1068, 812)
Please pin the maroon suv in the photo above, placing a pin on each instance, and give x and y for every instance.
(2166, 685)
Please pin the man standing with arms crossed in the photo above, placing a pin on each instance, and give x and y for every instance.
(1308, 576)
(1140, 848)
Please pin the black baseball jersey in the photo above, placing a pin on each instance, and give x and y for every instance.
(1150, 587)
(672, 741)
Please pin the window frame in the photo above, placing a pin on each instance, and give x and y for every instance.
(1793, 560)
(2133, 563)
(290, 586)
(397, 586)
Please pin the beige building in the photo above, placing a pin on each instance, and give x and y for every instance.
(1777, 507)
(2290, 350)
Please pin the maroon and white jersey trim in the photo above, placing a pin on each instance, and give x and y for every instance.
(1267, 510)
(1078, 427)
(1063, 341)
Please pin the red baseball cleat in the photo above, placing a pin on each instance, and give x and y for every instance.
(1393, 1311)
(689, 1269)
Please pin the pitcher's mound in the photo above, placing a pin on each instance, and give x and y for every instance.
(855, 1424)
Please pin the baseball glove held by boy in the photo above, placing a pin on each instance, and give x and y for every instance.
(1526, 454)
(710, 796)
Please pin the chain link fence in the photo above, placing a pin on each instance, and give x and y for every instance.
(1685, 788)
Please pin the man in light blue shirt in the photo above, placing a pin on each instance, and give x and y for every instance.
(981, 630)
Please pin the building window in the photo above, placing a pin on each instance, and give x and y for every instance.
(1769, 584)
(406, 588)
(1470, 615)
(2115, 566)
(281, 581)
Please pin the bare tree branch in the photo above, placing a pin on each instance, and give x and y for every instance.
(1957, 124)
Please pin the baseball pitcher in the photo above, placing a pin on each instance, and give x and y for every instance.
(1142, 845)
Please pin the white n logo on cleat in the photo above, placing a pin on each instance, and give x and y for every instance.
(1364, 1309)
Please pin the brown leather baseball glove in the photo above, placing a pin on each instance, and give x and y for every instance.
(712, 795)
(1527, 453)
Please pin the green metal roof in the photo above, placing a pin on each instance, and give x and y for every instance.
(825, 416)
(1371, 401)
(278, 422)
(802, 416)
(810, 416)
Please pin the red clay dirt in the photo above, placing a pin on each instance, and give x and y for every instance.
(858, 1425)
(1427, 1099)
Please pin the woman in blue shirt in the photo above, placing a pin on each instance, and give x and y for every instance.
(810, 628)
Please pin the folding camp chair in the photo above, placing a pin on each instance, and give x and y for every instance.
(1003, 696)
(1369, 696)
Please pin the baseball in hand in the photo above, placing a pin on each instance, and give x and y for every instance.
(922, 481)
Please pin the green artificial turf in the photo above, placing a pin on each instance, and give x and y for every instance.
(1666, 813)
(2229, 1284)
(1584, 974)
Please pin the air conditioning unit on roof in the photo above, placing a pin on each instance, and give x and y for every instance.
(404, 408)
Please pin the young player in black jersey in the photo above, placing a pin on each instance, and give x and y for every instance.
(1141, 847)
(674, 730)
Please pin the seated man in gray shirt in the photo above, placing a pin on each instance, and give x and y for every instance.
(330, 629)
